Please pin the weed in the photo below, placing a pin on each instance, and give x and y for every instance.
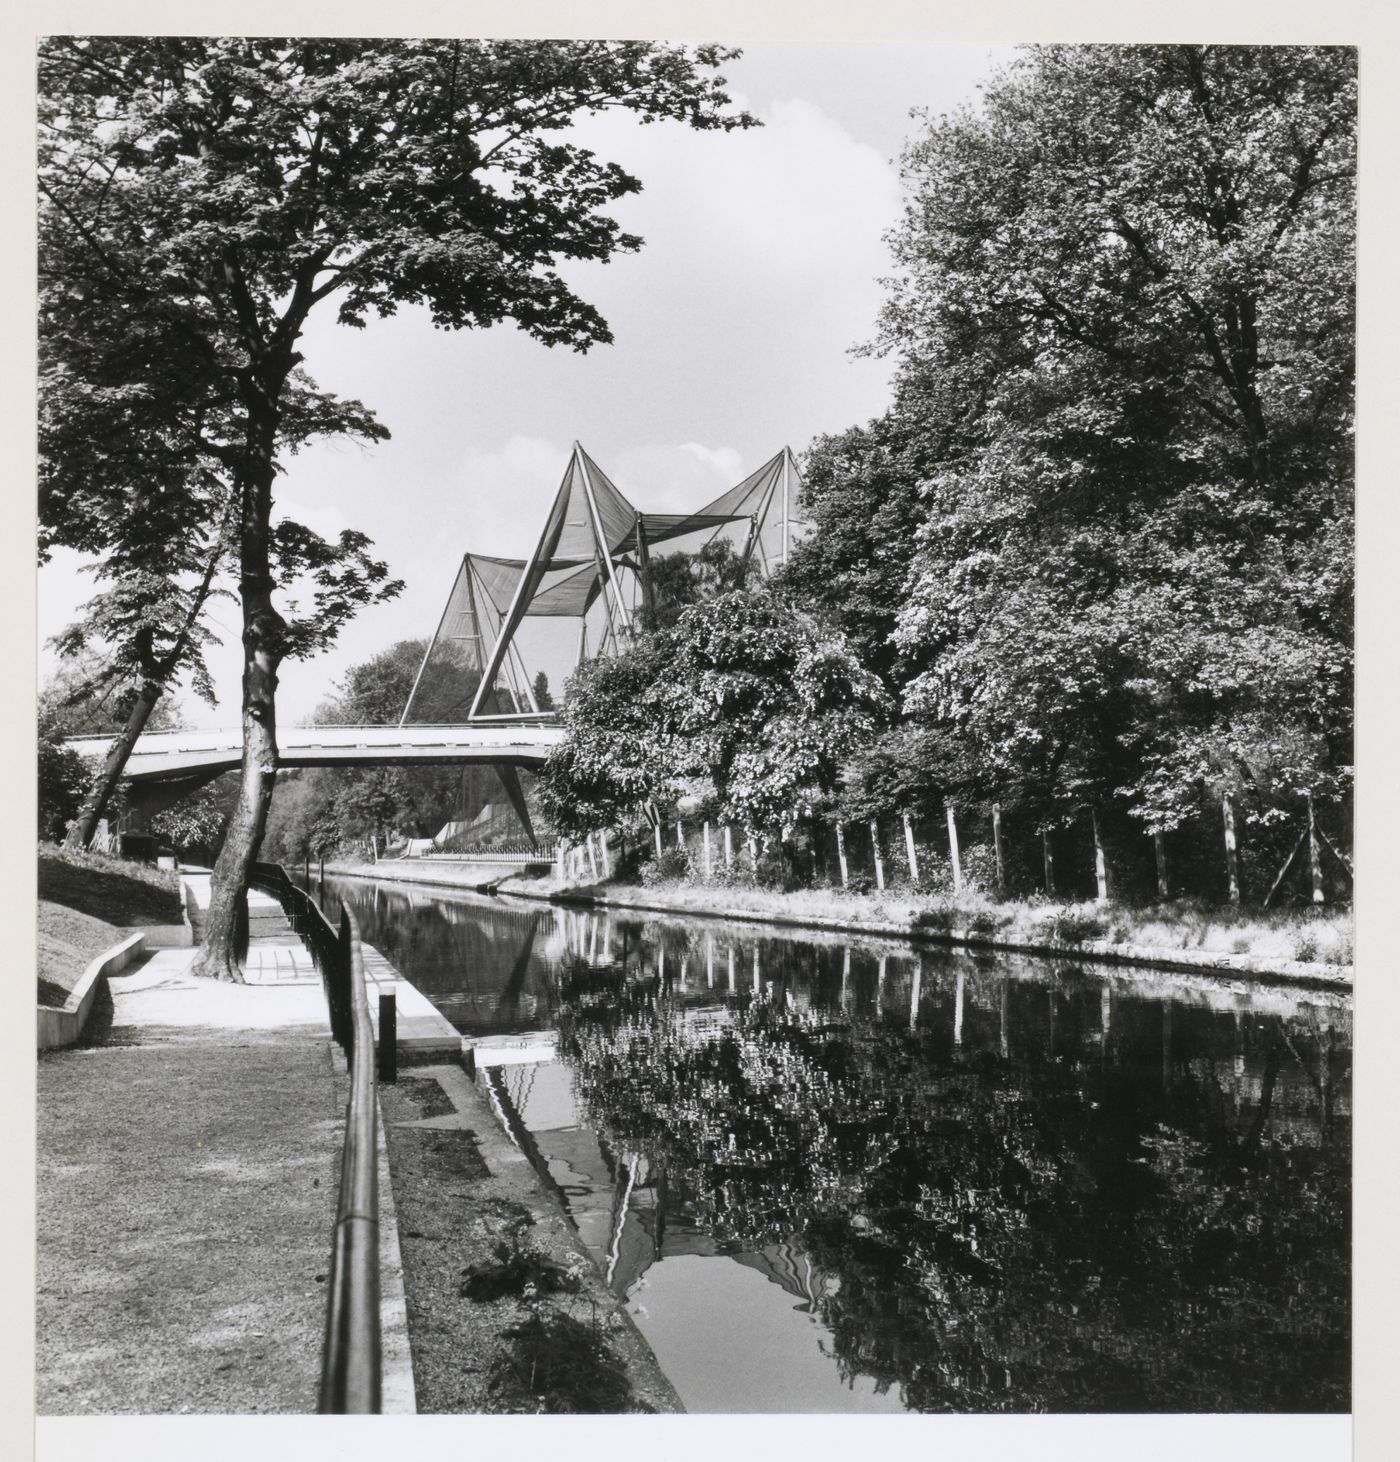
(1077, 928)
(672, 865)
(557, 1364)
(521, 1269)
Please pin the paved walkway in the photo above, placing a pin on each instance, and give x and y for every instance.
(188, 1161)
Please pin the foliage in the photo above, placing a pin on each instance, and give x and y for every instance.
(63, 775)
(1101, 543)
(679, 580)
(744, 696)
(672, 864)
(1151, 548)
(861, 495)
(196, 823)
(202, 196)
(323, 810)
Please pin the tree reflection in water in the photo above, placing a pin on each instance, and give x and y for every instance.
(1122, 1205)
(1000, 1185)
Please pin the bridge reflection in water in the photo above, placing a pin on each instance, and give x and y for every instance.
(834, 1174)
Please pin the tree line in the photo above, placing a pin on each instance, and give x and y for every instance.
(1093, 566)
(1093, 569)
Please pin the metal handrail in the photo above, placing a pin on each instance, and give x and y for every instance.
(351, 1360)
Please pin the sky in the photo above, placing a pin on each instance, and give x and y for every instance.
(734, 331)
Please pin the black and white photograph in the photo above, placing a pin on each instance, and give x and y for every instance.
(697, 731)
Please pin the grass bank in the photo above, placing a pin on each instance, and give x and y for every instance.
(87, 903)
(1292, 943)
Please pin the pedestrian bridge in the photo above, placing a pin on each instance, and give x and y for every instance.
(176, 755)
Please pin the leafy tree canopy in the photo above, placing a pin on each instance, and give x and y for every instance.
(745, 698)
(201, 196)
(1123, 321)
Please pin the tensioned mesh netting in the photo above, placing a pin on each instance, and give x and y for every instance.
(589, 554)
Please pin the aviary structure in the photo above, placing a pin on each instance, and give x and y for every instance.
(589, 575)
(592, 565)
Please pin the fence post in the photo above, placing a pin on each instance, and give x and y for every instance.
(879, 861)
(706, 833)
(909, 848)
(388, 1037)
(1232, 862)
(997, 850)
(1314, 855)
(841, 856)
(1100, 860)
(953, 846)
(728, 846)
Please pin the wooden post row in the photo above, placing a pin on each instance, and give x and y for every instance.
(953, 847)
(1100, 860)
(1232, 862)
(997, 850)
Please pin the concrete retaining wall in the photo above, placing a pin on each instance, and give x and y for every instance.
(62, 1026)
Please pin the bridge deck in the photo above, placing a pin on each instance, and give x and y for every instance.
(170, 754)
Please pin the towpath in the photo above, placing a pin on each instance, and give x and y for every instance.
(188, 1162)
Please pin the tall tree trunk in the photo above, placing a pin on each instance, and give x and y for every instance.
(81, 833)
(263, 645)
(219, 957)
(1232, 862)
(83, 829)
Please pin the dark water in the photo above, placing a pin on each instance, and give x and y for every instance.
(832, 1176)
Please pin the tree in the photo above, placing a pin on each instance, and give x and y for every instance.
(544, 697)
(226, 187)
(1123, 321)
(154, 630)
(744, 696)
(62, 774)
(678, 580)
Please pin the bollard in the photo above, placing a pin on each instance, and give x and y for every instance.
(388, 1037)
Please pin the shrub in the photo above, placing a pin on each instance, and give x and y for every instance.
(1075, 928)
(672, 865)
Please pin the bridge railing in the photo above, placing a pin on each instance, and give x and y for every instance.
(351, 1362)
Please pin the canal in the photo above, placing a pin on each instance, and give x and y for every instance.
(830, 1174)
